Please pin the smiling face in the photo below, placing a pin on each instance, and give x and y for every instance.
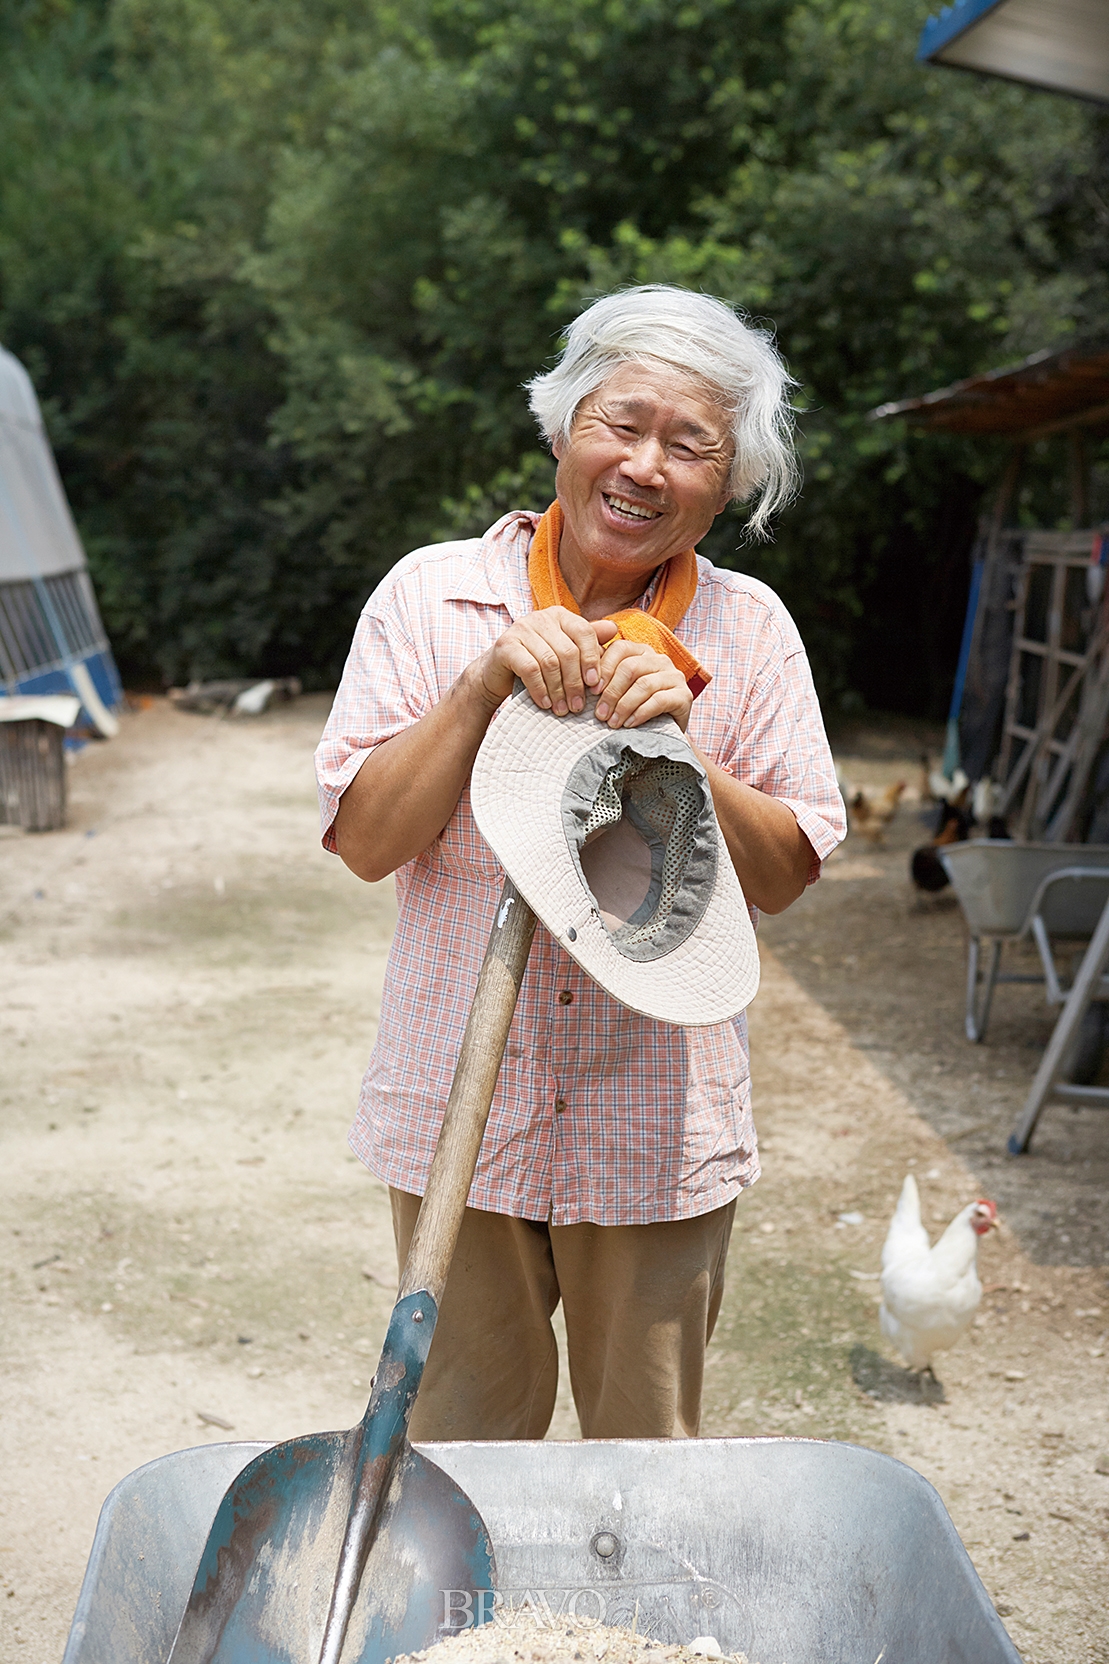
(642, 477)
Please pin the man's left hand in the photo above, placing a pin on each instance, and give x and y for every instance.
(637, 684)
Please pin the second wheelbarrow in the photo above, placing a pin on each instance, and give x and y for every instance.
(1008, 890)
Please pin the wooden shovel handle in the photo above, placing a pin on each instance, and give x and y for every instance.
(471, 1094)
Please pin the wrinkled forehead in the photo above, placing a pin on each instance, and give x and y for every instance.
(653, 393)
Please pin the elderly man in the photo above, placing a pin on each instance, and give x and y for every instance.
(617, 1145)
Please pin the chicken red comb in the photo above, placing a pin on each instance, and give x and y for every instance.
(989, 1209)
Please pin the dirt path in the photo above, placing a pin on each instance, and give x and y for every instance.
(189, 1001)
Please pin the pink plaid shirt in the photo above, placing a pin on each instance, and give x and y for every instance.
(599, 1114)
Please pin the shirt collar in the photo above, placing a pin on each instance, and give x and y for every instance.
(497, 573)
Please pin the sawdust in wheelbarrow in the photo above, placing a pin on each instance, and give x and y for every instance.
(523, 1636)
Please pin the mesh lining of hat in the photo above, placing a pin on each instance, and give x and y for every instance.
(662, 795)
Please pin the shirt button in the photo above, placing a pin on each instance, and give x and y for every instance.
(560, 1105)
(566, 998)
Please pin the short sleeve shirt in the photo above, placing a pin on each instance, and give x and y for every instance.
(600, 1114)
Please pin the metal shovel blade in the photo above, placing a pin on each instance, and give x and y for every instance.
(272, 1608)
(264, 1591)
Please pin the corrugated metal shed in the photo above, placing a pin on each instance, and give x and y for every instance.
(1046, 393)
(51, 637)
(1062, 45)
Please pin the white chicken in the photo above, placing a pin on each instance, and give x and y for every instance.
(930, 1294)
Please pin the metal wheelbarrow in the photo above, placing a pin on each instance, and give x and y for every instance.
(1008, 890)
(790, 1551)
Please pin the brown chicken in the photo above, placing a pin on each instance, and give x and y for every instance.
(871, 812)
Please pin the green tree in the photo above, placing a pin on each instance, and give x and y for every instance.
(280, 271)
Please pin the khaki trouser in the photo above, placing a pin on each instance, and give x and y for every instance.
(640, 1303)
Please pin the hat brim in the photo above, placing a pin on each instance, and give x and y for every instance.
(516, 793)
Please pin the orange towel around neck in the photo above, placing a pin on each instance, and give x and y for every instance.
(677, 585)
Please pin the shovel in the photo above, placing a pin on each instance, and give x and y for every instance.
(349, 1546)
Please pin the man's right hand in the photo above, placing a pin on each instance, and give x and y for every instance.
(555, 653)
(408, 788)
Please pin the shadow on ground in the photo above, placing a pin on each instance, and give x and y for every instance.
(888, 1383)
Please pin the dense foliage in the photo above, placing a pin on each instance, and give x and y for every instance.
(278, 271)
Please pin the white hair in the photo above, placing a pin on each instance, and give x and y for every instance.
(710, 341)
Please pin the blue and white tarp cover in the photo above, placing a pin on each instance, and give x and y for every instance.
(51, 638)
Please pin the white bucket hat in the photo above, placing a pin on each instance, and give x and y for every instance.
(611, 837)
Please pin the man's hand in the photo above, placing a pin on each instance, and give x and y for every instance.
(561, 657)
(407, 789)
(637, 683)
(555, 653)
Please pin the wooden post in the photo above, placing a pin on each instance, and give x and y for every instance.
(1079, 479)
(991, 548)
(1006, 490)
(32, 775)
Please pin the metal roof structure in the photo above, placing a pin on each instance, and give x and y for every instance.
(51, 638)
(1062, 45)
(1048, 392)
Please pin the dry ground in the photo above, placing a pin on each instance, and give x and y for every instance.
(189, 999)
